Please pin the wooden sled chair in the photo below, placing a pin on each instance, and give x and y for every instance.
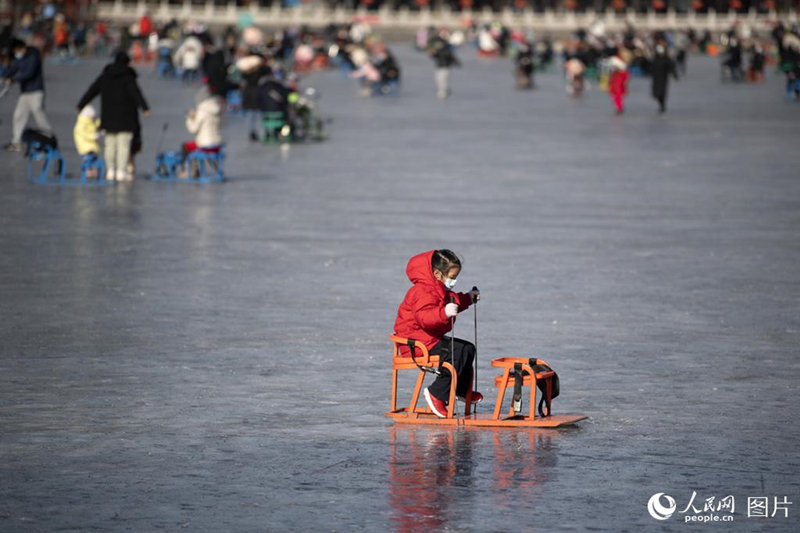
(423, 364)
(513, 365)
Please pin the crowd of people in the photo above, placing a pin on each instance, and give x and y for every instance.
(538, 6)
(53, 33)
(608, 60)
(255, 73)
(259, 70)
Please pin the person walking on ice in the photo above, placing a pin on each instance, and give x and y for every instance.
(26, 69)
(618, 83)
(661, 69)
(441, 51)
(120, 101)
(427, 312)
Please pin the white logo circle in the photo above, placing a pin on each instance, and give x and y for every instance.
(658, 511)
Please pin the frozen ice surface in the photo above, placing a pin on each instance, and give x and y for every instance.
(215, 358)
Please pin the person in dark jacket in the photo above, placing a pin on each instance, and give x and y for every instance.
(757, 59)
(442, 54)
(215, 71)
(733, 61)
(661, 69)
(274, 98)
(26, 69)
(120, 100)
(274, 95)
(255, 73)
(524, 70)
(389, 70)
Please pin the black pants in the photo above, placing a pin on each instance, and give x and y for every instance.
(662, 102)
(463, 358)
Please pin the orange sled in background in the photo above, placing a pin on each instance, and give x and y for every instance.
(516, 373)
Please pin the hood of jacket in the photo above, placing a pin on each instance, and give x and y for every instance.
(421, 315)
(419, 271)
(119, 70)
(85, 121)
(29, 52)
(211, 105)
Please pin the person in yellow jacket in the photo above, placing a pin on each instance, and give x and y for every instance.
(86, 135)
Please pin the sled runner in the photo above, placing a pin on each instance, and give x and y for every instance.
(517, 373)
(203, 165)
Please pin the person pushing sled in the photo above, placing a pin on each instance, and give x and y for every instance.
(428, 312)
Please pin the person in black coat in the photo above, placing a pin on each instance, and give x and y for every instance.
(661, 69)
(215, 71)
(524, 70)
(120, 101)
(273, 97)
(255, 73)
(389, 69)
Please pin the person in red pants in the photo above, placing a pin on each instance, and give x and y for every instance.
(618, 83)
(426, 314)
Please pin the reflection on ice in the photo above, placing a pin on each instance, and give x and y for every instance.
(434, 472)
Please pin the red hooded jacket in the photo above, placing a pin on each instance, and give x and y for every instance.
(421, 315)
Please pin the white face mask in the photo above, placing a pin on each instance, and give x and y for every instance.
(19, 55)
(449, 283)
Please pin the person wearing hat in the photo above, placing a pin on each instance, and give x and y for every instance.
(120, 101)
(87, 131)
(26, 69)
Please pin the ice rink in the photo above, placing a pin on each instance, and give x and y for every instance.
(216, 357)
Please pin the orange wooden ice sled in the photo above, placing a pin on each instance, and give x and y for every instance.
(414, 414)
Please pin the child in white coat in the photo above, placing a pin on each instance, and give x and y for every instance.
(205, 123)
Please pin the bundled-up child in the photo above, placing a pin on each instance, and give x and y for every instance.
(86, 134)
(618, 83)
(205, 122)
(428, 312)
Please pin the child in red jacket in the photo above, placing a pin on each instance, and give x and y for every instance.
(425, 316)
(618, 83)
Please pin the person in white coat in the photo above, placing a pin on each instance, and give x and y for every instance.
(205, 120)
(205, 123)
(189, 58)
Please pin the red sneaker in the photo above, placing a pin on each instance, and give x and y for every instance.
(477, 397)
(437, 406)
